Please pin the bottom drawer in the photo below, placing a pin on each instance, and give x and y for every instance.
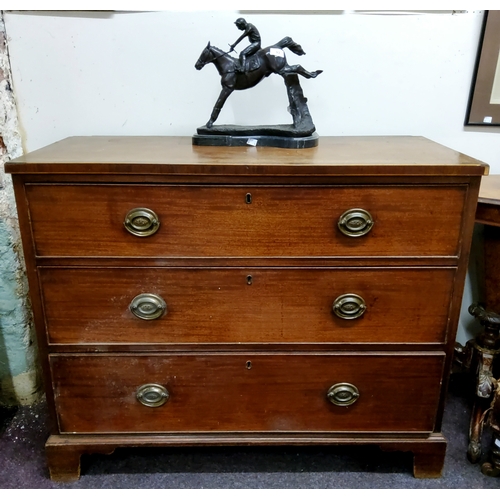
(246, 392)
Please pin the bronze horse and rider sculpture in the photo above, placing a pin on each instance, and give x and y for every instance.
(255, 64)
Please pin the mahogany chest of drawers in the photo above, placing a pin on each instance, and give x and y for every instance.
(190, 295)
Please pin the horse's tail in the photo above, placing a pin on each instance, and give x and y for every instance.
(288, 43)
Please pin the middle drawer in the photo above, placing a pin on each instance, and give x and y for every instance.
(251, 305)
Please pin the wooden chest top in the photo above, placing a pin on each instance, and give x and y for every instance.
(400, 155)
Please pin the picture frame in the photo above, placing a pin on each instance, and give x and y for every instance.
(484, 100)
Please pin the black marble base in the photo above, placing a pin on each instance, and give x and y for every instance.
(274, 141)
(303, 129)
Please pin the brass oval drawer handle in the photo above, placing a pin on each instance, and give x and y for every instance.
(148, 306)
(343, 394)
(349, 306)
(153, 395)
(355, 222)
(141, 222)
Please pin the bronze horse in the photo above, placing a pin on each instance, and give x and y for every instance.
(262, 64)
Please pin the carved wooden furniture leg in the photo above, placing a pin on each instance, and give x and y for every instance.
(428, 461)
(63, 458)
(482, 352)
(492, 467)
(428, 456)
(63, 462)
(476, 429)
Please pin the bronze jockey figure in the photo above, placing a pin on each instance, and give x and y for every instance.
(250, 31)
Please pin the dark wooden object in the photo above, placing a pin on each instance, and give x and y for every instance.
(256, 312)
(480, 355)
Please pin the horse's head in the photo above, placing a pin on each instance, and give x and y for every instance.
(205, 57)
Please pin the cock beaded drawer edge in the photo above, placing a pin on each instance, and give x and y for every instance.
(189, 295)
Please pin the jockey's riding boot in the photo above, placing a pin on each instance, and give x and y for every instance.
(241, 67)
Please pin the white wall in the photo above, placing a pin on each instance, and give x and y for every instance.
(132, 73)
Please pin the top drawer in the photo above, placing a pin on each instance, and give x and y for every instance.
(245, 221)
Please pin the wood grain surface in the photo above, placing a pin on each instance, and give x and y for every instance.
(87, 220)
(369, 155)
(219, 306)
(97, 393)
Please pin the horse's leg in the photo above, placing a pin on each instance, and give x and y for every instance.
(224, 94)
(298, 69)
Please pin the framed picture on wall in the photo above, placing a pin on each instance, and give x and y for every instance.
(484, 102)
